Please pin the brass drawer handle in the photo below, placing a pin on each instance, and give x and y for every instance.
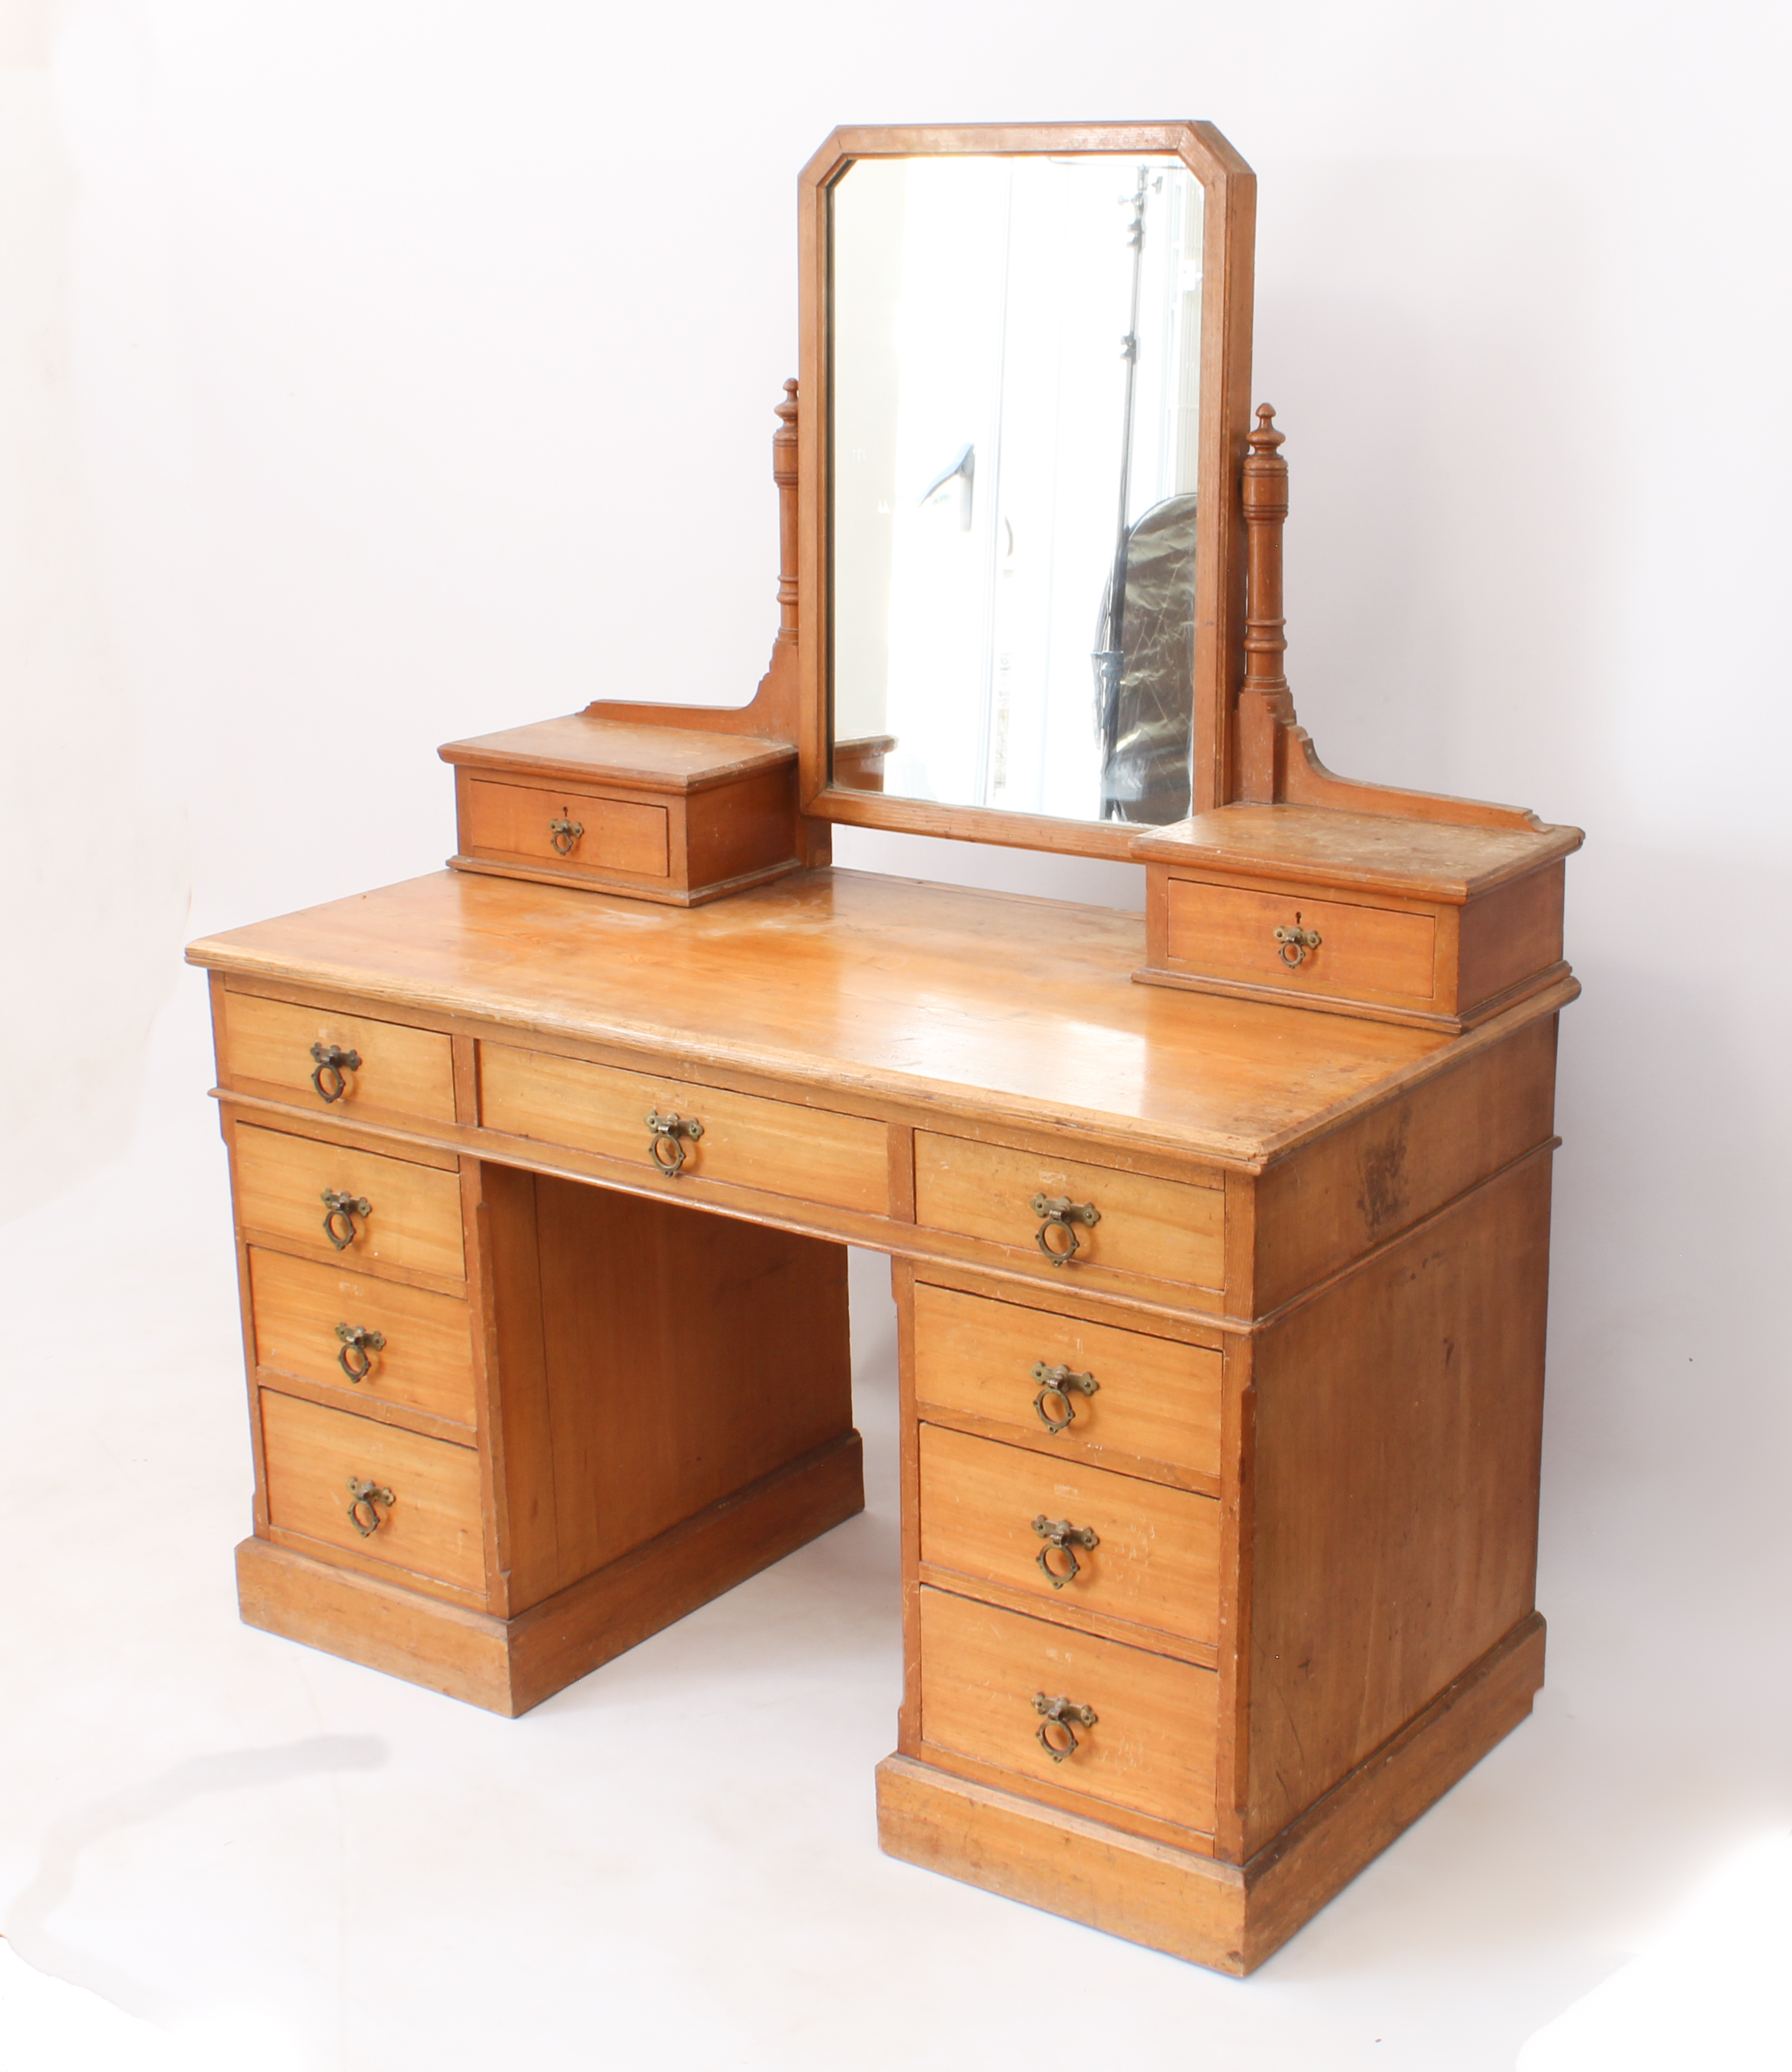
(1059, 1712)
(1064, 1538)
(666, 1145)
(358, 1345)
(1295, 943)
(1060, 1213)
(564, 834)
(1059, 1381)
(338, 1225)
(365, 1499)
(331, 1063)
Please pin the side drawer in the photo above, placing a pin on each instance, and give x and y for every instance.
(778, 1145)
(315, 1458)
(1154, 1406)
(1151, 1746)
(1229, 930)
(411, 1220)
(566, 830)
(369, 1068)
(1167, 1230)
(1155, 1559)
(423, 1358)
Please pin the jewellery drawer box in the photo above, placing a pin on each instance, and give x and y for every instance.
(391, 1343)
(1080, 1391)
(345, 1065)
(331, 1198)
(1062, 1708)
(667, 814)
(366, 1488)
(1080, 1537)
(1414, 921)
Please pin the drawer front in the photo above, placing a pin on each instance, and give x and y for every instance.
(1155, 1402)
(267, 1049)
(1155, 1560)
(423, 1355)
(521, 822)
(431, 1525)
(818, 1157)
(413, 1217)
(1170, 1230)
(1153, 1744)
(1227, 931)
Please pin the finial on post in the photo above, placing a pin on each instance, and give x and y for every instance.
(783, 473)
(1265, 706)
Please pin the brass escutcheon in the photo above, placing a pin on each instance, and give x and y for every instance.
(1060, 1713)
(367, 1497)
(1060, 1213)
(1060, 1536)
(359, 1344)
(1295, 943)
(330, 1062)
(338, 1225)
(669, 1135)
(1059, 1381)
(564, 834)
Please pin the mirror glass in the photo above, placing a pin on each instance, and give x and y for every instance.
(1014, 375)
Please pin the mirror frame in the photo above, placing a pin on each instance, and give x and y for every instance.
(1229, 225)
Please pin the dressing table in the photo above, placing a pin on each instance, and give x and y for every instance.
(1219, 1241)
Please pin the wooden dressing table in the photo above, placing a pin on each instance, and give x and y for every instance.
(1221, 1296)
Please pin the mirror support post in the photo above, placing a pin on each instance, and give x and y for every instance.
(1265, 705)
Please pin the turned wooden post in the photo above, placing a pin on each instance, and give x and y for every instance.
(1265, 705)
(783, 473)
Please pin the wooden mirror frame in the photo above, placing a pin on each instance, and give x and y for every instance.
(1229, 224)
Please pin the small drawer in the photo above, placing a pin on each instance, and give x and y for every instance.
(1151, 1745)
(1230, 931)
(1121, 1398)
(566, 830)
(1167, 1230)
(412, 1218)
(343, 1063)
(394, 1343)
(1134, 1550)
(420, 1513)
(843, 1160)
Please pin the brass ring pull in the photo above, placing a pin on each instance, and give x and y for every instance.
(1295, 943)
(1059, 1712)
(338, 1225)
(1060, 1213)
(1059, 1381)
(564, 834)
(331, 1063)
(359, 1346)
(666, 1145)
(1064, 1538)
(365, 1499)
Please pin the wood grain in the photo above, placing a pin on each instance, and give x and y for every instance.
(516, 821)
(1230, 930)
(415, 1220)
(264, 1048)
(1156, 1561)
(1156, 1411)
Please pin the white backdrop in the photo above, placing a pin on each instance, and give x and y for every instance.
(375, 371)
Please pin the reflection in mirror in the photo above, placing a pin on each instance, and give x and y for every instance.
(1014, 383)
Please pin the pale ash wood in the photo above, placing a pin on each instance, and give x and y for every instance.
(1156, 1411)
(426, 1363)
(414, 1220)
(1151, 1750)
(1164, 1229)
(264, 1047)
(1156, 1563)
(433, 1528)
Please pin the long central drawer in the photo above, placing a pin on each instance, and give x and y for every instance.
(780, 1146)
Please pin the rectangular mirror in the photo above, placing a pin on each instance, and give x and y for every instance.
(1030, 352)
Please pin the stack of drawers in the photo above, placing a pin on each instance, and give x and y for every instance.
(355, 1279)
(1063, 1583)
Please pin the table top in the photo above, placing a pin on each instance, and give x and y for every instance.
(989, 1003)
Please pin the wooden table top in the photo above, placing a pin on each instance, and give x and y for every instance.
(992, 1003)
